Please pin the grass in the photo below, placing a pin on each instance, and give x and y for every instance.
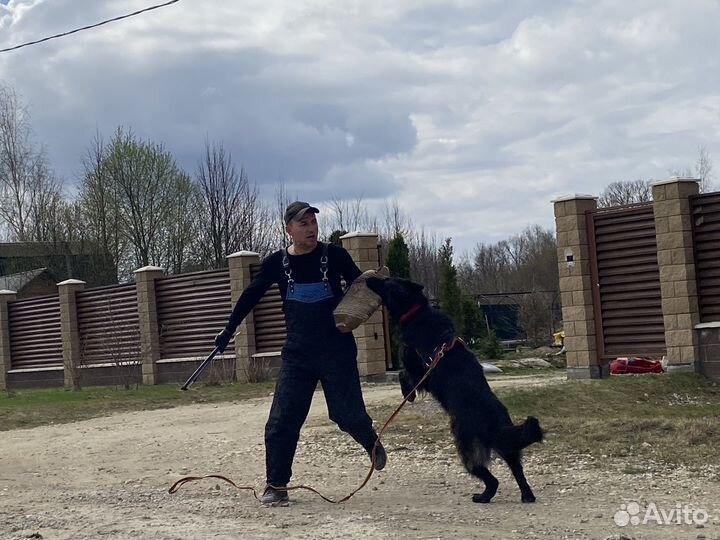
(668, 418)
(30, 408)
(660, 419)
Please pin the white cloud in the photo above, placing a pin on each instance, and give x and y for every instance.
(472, 115)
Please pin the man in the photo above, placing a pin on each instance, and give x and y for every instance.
(308, 274)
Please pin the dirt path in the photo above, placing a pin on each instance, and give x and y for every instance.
(108, 478)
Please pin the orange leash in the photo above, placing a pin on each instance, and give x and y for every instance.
(435, 360)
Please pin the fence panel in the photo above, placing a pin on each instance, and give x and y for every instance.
(108, 325)
(192, 309)
(626, 282)
(35, 333)
(706, 240)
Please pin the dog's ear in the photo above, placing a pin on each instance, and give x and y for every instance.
(375, 284)
(416, 287)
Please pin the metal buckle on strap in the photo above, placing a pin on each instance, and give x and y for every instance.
(324, 265)
(288, 270)
(324, 270)
(439, 352)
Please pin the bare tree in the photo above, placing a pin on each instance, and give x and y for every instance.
(424, 261)
(704, 170)
(15, 162)
(395, 221)
(281, 202)
(625, 192)
(29, 193)
(46, 206)
(490, 270)
(138, 204)
(99, 199)
(234, 217)
(147, 179)
(348, 215)
(524, 268)
(175, 251)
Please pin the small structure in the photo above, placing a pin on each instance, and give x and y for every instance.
(501, 312)
(37, 282)
(64, 260)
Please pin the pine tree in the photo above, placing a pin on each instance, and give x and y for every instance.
(398, 262)
(335, 237)
(473, 320)
(398, 257)
(451, 301)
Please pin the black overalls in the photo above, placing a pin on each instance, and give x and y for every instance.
(314, 351)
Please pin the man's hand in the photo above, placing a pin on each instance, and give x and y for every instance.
(222, 339)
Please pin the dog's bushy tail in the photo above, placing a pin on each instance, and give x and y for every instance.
(522, 435)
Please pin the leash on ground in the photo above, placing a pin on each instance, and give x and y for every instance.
(435, 359)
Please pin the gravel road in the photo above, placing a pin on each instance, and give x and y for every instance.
(107, 478)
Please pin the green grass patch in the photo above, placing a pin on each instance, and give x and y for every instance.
(30, 408)
(668, 419)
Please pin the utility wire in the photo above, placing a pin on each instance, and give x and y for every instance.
(88, 27)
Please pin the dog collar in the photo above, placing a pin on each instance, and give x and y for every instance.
(405, 317)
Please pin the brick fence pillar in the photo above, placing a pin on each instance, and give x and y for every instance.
(676, 262)
(576, 296)
(5, 360)
(72, 353)
(240, 277)
(370, 336)
(148, 321)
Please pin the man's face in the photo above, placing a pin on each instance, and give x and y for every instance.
(304, 231)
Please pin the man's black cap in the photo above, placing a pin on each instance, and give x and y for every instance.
(297, 209)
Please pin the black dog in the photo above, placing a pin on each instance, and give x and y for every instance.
(479, 421)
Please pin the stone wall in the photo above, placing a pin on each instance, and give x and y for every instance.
(690, 346)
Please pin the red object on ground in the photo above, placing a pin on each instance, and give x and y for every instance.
(634, 364)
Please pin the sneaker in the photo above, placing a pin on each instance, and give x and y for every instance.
(275, 497)
(380, 457)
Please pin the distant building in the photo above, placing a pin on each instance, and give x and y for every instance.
(34, 264)
(501, 312)
(38, 282)
(539, 311)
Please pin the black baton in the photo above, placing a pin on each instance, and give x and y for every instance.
(200, 369)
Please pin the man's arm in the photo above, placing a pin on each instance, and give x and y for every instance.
(348, 269)
(248, 300)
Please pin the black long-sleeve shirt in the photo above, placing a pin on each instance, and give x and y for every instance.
(305, 269)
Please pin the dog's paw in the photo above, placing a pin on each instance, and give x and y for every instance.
(411, 396)
(528, 498)
(481, 498)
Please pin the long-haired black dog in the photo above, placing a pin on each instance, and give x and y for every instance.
(479, 421)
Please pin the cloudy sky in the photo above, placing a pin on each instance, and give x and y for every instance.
(472, 115)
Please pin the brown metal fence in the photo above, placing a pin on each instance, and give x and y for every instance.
(35, 333)
(192, 309)
(108, 324)
(626, 282)
(270, 329)
(706, 239)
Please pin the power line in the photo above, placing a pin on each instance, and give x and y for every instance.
(88, 27)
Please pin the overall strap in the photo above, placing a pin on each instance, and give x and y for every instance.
(324, 265)
(287, 269)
